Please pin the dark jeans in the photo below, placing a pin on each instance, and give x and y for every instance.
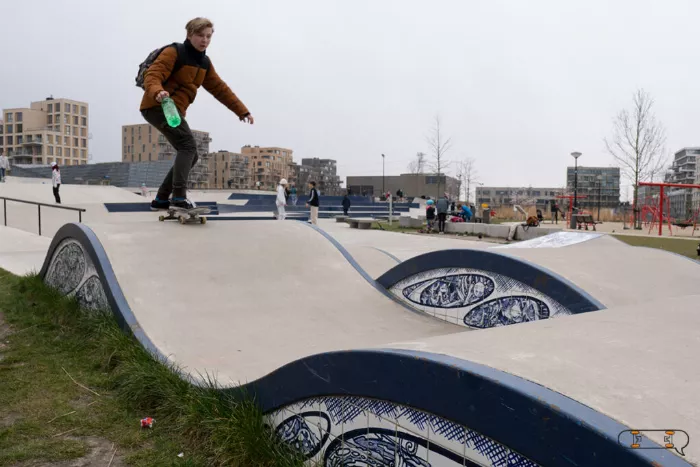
(345, 211)
(55, 193)
(181, 139)
(442, 217)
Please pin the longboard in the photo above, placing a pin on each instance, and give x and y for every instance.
(186, 215)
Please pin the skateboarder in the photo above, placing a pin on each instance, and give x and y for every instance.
(281, 200)
(194, 69)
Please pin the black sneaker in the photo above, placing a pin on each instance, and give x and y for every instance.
(183, 203)
(159, 205)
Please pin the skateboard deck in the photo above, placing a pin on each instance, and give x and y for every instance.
(186, 215)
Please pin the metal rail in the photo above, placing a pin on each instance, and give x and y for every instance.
(39, 205)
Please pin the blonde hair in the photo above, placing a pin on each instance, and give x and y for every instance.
(197, 25)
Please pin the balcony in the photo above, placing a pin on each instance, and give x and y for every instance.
(29, 141)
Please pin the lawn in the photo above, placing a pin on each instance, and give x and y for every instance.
(74, 386)
(676, 245)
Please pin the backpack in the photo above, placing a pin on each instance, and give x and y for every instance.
(146, 64)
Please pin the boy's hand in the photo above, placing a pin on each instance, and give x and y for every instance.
(162, 95)
(248, 119)
(307, 205)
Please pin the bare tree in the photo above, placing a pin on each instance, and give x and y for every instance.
(417, 165)
(638, 142)
(439, 145)
(467, 176)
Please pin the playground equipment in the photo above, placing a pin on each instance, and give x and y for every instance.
(659, 214)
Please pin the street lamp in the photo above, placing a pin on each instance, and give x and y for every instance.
(575, 155)
(383, 190)
(600, 184)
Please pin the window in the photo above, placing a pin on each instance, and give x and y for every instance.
(83, 132)
(75, 131)
(75, 109)
(75, 120)
(83, 121)
(124, 130)
(66, 119)
(49, 119)
(60, 151)
(19, 139)
(18, 115)
(58, 107)
(50, 153)
(9, 140)
(50, 139)
(83, 153)
(66, 140)
(66, 108)
(143, 149)
(149, 156)
(57, 119)
(19, 128)
(8, 118)
(149, 136)
(49, 109)
(139, 157)
(75, 153)
(8, 128)
(75, 142)
(83, 110)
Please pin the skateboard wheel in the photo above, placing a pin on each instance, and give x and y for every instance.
(161, 218)
(182, 220)
(203, 220)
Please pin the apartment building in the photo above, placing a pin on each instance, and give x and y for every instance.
(683, 170)
(229, 170)
(142, 143)
(324, 172)
(268, 165)
(52, 130)
(496, 196)
(597, 184)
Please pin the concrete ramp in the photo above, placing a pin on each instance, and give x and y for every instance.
(386, 369)
(240, 299)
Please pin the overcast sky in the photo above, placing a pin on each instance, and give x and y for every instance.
(518, 84)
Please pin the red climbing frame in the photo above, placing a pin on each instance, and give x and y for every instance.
(661, 197)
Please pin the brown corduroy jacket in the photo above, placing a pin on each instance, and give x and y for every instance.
(183, 85)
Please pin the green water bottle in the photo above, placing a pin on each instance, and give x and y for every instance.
(171, 113)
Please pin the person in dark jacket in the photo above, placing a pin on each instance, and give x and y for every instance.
(313, 203)
(442, 206)
(346, 205)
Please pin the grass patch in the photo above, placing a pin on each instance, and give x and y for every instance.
(47, 416)
(676, 245)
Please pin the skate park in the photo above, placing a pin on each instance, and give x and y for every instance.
(541, 352)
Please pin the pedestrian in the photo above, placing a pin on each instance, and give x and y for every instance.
(442, 206)
(293, 193)
(177, 73)
(430, 214)
(452, 207)
(466, 213)
(4, 165)
(346, 205)
(313, 203)
(56, 181)
(281, 200)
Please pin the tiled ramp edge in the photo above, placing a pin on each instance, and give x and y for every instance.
(482, 289)
(386, 407)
